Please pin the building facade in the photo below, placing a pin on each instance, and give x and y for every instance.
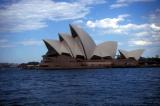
(78, 50)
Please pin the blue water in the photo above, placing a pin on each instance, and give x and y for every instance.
(91, 87)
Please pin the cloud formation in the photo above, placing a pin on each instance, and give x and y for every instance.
(139, 42)
(30, 42)
(124, 3)
(4, 43)
(155, 16)
(140, 34)
(33, 14)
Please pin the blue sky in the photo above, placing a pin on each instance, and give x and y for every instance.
(133, 24)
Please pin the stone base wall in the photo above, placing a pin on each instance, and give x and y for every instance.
(69, 62)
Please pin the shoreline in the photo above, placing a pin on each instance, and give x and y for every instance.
(83, 68)
(38, 67)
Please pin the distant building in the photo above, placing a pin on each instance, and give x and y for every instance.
(78, 50)
(132, 54)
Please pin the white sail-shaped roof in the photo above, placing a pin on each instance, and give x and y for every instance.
(106, 49)
(72, 44)
(135, 53)
(59, 47)
(65, 49)
(54, 44)
(81, 44)
(51, 50)
(86, 41)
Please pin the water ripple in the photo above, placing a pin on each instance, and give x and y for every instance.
(98, 87)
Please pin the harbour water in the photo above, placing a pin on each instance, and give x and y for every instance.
(90, 87)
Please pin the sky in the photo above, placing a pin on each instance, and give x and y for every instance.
(134, 24)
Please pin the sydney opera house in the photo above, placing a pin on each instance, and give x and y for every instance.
(78, 50)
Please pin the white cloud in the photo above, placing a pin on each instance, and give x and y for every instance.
(4, 43)
(155, 27)
(3, 40)
(30, 42)
(6, 46)
(90, 2)
(154, 18)
(139, 42)
(33, 14)
(118, 5)
(139, 34)
(78, 21)
(114, 25)
(124, 3)
(120, 43)
(107, 22)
